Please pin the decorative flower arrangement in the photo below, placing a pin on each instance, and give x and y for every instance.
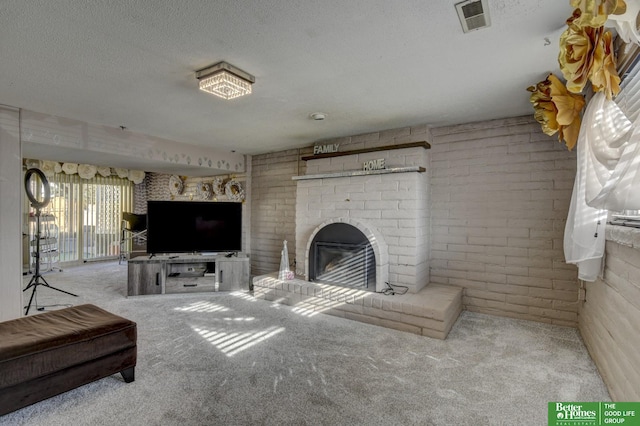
(580, 52)
(596, 12)
(557, 110)
(85, 171)
(586, 55)
(606, 78)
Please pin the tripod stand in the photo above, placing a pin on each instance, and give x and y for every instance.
(37, 278)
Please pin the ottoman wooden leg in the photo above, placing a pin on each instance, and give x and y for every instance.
(128, 374)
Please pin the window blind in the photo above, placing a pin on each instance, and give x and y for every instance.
(629, 102)
(629, 97)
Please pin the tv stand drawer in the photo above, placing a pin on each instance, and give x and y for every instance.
(190, 284)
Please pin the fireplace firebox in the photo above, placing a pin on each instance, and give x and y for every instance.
(340, 254)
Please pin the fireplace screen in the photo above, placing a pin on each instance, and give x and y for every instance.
(345, 264)
(341, 255)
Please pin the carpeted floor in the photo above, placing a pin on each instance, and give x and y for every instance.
(228, 359)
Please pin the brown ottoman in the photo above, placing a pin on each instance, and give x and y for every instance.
(53, 352)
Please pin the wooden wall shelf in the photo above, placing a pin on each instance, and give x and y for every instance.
(422, 144)
(409, 169)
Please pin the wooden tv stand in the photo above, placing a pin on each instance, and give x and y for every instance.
(165, 274)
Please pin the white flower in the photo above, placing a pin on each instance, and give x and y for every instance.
(122, 173)
(70, 168)
(136, 176)
(87, 171)
(104, 171)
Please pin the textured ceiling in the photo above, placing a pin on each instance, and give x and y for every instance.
(368, 64)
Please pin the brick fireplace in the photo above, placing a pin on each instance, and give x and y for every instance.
(388, 205)
(387, 209)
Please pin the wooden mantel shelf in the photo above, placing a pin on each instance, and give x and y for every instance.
(409, 169)
(422, 144)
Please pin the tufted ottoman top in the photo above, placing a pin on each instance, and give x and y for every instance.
(34, 346)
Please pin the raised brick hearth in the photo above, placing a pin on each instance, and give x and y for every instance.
(430, 312)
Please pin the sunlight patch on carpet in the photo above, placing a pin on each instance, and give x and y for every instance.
(318, 306)
(239, 319)
(231, 344)
(243, 295)
(202, 307)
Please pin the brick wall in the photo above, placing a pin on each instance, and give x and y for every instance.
(500, 193)
(273, 213)
(500, 196)
(610, 318)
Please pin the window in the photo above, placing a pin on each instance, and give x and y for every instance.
(88, 215)
(629, 102)
(629, 97)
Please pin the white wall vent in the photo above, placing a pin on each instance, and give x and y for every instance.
(473, 14)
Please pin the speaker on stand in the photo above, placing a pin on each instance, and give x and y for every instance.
(37, 188)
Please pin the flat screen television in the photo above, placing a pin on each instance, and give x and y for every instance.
(193, 227)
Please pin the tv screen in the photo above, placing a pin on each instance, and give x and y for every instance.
(191, 226)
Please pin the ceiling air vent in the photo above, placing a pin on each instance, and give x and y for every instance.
(473, 14)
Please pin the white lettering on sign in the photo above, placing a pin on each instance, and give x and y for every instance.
(324, 149)
(374, 164)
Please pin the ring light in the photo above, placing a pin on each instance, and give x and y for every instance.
(31, 182)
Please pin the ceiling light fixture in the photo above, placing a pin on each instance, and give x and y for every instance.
(318, 116)
(225, 80)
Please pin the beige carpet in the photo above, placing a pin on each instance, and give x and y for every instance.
(228, 359)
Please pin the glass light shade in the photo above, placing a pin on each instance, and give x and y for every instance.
(225, 85)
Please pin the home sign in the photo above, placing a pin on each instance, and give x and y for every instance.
(374, 165)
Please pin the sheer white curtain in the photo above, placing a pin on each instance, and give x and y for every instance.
(608, 151)
(608, 172)
(607, 178)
